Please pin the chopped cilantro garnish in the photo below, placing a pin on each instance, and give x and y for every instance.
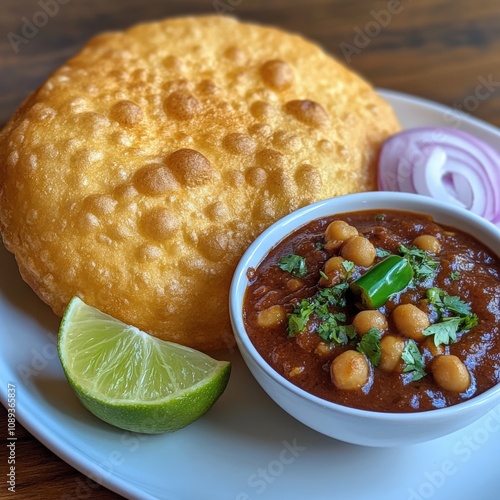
(434, 295)
(444, 332)
(318, 304)
(412, 359)
(423, 265)
(334, 295)
(330, 330)
(380, 217)
(469, 322)
(294, 264)
(369, 345)
(344, 334)
(455, 275)
(319, 245)
(445, 303)
(454, 315)
(297, 321)
(380, 252)
(348, 266)
(455, 304)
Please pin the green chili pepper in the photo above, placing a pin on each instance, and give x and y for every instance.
(389, 276)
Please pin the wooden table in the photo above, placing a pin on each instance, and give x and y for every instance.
(444, 50)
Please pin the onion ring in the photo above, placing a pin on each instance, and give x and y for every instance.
(446, 164)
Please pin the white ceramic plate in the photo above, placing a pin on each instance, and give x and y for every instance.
(245, 447)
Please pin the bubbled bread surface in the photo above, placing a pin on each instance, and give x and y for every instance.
(137, 175)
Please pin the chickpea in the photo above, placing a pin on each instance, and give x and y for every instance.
(294, 284)
(450, 373)
(323, 349)
(297, 370)
(428, 243)
(359, 250)
(391, 348)
(337, 232)
(365, 320)
(335, 271)
(410, 321)
(432, 348)
(271, 317)
(334, 264)
(349, 370)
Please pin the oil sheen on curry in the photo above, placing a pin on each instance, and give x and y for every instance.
(386, 311)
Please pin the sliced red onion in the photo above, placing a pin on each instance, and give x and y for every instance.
(446, 164)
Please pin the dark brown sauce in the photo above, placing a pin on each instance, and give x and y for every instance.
(478, 284)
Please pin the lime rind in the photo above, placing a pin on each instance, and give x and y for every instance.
(132, 380)
(154, 418)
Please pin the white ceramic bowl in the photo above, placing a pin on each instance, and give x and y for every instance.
(349, 424)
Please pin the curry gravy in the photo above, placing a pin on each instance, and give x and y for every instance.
(466, 269)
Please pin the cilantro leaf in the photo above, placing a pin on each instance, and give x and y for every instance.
(423, 265)
(469, 322)
(444, 303)
(412, 358)
(455, 304)
(380, 252)
(319, 305)
(297, 320)
(344, 334)
(455, 275)
(369, 345)
(444, 332)
(434, 296)
(332, 327)
(348, 266)
(455, 316)
(333, 295)
(331, 331)
(294, 264)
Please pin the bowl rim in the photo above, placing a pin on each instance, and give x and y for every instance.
(296, 219)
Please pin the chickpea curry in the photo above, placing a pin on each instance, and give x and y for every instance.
(385, 311)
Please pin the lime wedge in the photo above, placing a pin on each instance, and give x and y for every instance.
(132, 380)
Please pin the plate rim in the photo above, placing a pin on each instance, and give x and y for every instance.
(85, 464)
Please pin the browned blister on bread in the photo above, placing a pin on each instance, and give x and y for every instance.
(137, 175)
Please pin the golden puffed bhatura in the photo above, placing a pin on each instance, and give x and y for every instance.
(138, 174)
